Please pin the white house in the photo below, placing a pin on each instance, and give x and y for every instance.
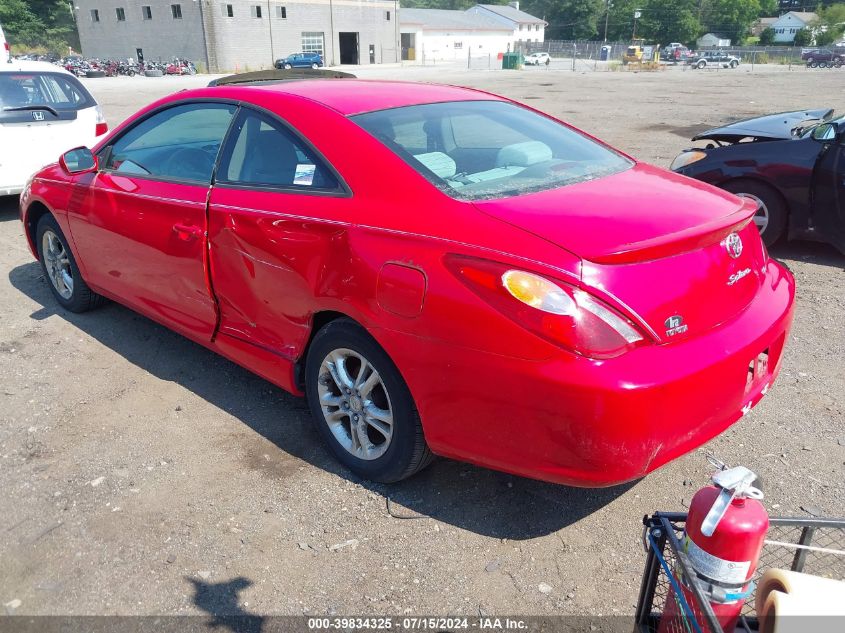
(787, 25)
(712, 40)
(526, 28)
(452, 35)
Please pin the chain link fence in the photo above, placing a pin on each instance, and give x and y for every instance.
(583, 54)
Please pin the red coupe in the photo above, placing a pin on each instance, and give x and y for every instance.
(439, 270)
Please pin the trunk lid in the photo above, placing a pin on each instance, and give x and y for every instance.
(652, 241)
(28, 145)
(44, 112)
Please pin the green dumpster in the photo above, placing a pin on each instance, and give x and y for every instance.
(512, 61)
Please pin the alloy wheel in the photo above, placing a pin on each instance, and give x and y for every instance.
(761, 218)
(355, 404)
(57, 264)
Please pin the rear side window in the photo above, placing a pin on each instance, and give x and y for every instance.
(29, 90)
(179, 143)
(263, 153)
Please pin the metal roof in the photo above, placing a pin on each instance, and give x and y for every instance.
(509, 12)
(451, 20)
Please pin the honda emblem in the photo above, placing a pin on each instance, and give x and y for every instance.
(38, 116)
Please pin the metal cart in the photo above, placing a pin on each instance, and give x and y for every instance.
(813, 546)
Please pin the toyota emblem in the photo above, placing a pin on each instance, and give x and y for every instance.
(733, 244)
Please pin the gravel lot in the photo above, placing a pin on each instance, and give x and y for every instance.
(141, 474)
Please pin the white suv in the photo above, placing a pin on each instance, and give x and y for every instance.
(536, 59)
(44, 111)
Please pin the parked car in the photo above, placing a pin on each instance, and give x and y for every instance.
(823, 57)
(300, 60)
(675, 52)
(440, 271)
(713, 59)
(535, 59)
(44, 110)
(791, 164)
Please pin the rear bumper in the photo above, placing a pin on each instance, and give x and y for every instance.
(581, 422)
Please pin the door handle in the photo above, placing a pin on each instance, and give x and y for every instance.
(187, 233)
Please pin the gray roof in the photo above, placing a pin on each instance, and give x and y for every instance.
(448, 19)
(507, 11)
(804, 16)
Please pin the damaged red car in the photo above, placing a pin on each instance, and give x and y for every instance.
(441, 271)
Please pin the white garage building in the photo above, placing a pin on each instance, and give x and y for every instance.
(432, 35)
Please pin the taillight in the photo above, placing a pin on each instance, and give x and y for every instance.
(102, 126)
(553, 310)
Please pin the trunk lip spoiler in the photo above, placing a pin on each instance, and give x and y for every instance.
(681, 242)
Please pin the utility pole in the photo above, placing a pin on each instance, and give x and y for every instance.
(607, 6)
(637, 14)
(270, 24)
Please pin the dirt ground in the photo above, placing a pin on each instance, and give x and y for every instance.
(141, 474)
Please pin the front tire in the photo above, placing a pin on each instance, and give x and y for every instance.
(701, 64)
(288, 66)
(734, 63)
(771, 214)
(361, 406)
(60, 269)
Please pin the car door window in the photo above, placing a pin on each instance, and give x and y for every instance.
(179, 143)
(264, 153)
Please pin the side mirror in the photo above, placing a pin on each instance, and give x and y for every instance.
(825, 132)
(78, 161)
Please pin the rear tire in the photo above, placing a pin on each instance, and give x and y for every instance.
(734, 63)
(60, 269)
(315, 65)
(153, 73)
(773, 208)
(343, 353)
(95, 74)
(701, 64)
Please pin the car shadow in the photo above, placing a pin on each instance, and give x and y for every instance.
(9, 208)
(811, 252)
(472, 498)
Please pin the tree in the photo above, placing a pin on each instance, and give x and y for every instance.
(829, 27)
(568, 19)
(803, 38)
(44, 24)
(767, 36)
(665, 21)
(729, 17)
(620, 19)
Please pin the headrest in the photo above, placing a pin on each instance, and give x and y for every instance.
(439, 163)
(523, 154)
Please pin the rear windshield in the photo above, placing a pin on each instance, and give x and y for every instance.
(28, 90)
(475, 150)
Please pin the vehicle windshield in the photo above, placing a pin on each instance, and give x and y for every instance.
(29, 89)
(475, 150)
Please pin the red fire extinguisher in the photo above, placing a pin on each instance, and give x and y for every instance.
(725, 529)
